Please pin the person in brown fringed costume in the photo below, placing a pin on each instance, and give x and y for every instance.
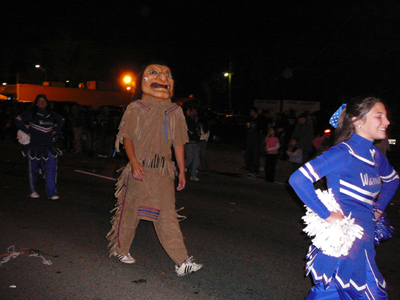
(145, 189)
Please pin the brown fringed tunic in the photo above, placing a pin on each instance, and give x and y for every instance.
(153, 126)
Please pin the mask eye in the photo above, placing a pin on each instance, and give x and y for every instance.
(168, 74)
(152, 72)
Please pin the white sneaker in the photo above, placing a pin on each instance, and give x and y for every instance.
(194, 178)
(34, 195)
(55, 197)
(187, 267)
(126, 259)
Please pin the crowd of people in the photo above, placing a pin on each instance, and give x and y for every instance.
(296, 139)
(284, 136)
(93, 131)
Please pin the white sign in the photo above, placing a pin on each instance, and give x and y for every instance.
(300, 106)
(273, 106)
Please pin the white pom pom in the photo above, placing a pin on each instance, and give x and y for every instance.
(333, 239)
(23, 138)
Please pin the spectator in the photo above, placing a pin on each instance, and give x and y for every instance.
(204, 135)
(304, 134)
(271, 155)
(290, 121)
(264, 121)
(78, 127)
(322, 142)
(68, 130)
(89, 131)
(192, 160)
(105, 122)
(253, 143)
(281, 135)
(295, 154)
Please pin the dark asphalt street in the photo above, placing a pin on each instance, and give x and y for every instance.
(248, 234)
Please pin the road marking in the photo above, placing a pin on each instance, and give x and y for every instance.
(101, 176)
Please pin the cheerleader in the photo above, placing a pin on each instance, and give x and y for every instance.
(362, 182)
(42, 125)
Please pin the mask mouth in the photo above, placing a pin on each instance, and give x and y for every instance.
(155, 85)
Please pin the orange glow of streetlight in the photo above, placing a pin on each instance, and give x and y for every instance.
(127, 79)
(129, 83)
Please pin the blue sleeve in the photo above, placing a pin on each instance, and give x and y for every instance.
(302, 180)
(22, 119)
(390, 181)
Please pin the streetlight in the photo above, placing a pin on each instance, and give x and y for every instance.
(44, 70)
(128, 80)
(229, 75)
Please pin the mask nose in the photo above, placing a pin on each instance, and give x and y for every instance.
(162, 76)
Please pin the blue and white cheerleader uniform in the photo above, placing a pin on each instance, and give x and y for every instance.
(41, 151)
(360, 178)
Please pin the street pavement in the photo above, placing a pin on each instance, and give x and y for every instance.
(246, 232)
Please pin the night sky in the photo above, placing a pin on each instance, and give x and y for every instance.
(321, 50)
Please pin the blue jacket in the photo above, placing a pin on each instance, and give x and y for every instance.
(40, 126)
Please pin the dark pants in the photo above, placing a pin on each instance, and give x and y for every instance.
(192, 157)
(270, 166)
(49, 167)
(105, 143)
(252, 158)
(203, 160)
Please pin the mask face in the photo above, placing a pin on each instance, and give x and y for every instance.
(157, 82)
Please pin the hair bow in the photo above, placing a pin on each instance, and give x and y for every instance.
(335, 117)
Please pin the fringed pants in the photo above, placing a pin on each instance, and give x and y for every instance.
(139, 196)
